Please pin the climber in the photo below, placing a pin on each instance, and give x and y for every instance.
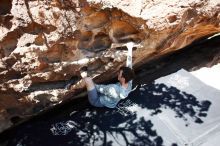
(109, 95)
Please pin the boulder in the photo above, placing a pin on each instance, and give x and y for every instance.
(43, 44)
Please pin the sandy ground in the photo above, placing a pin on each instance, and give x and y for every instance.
(210, 76)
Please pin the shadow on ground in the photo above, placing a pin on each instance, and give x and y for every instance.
(123, 125)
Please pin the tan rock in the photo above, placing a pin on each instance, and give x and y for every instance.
(43, 43)
(85, 35)
(122, 31)
(101, 42)
(95, 20)
(87, 10)
(5, 7)
(116, 13)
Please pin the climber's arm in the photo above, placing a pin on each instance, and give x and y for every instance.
(129, 54)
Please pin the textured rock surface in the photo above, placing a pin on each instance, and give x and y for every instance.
(45, 43)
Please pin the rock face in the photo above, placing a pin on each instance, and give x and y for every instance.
(45, 43)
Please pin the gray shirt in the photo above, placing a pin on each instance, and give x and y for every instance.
(111, 94)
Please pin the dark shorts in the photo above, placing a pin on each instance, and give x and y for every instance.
(94, 98)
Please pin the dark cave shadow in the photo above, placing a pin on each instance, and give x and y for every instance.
(92, 126)
(102, 126)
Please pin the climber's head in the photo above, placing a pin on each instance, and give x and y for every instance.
(125, 74)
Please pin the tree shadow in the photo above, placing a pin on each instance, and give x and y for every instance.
(156, 96)
(109, 127)
(91, 126)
